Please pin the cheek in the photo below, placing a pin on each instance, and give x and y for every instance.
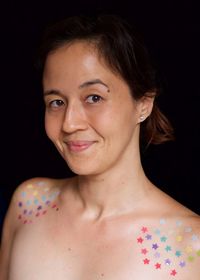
(121, 119)
(51, 127)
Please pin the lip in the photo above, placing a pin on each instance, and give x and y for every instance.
(79, 146)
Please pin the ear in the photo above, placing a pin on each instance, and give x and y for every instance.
(145, 106)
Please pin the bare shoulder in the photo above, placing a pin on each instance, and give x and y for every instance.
(31, 200)
(27, 195)
(34, 197)
(170, 241)
(170, 246)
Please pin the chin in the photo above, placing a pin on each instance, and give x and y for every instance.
(85, 168)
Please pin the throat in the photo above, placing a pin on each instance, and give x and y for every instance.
(103, 198)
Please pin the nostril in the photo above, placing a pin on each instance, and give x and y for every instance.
(74, 121)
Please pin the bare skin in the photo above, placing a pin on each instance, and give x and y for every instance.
(68, 244)
(110, 221)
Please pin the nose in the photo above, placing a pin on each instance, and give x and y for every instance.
(74, 118)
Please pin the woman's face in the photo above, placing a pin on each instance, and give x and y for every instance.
(91, 116)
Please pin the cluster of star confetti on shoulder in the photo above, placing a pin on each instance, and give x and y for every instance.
(163, 249)
(35, 200)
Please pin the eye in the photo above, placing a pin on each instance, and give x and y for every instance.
(56, 103)
(93, 99)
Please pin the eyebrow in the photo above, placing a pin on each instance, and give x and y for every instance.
(83, 85)
(93, 82)
(52, 92)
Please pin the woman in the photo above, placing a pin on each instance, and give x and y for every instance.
(109, 221)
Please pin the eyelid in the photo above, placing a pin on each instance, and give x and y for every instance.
(49, 102)
(92, 95)
(56, 100)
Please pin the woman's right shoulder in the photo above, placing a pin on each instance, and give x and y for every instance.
(31, 197)
(30, 200)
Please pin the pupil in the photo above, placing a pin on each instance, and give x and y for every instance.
(59, 102)
(95, 98)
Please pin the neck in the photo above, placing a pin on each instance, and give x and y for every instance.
(115, 192)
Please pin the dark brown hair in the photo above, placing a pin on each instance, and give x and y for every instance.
(124, 52)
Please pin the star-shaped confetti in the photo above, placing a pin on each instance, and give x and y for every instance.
(158, 266)
(198, 253)
(179, 223)
(144, 229)
(162, 221)
(190, 258)
(179, 238)
(195, 237)
(188, 249)
(155, 246)
(144, 251)
(20, 204)
(148, 237)
(146, 261)
(41, 183)
(167, 262)
(157, 255)
(188, 229)
(182, 264)
(168, 248)
(23, 194)
(140, 240)
(173, 272)
(163, 239)
(30, 186)
(178, 253)
(157, 232)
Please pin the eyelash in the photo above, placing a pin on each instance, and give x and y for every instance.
(94, 95)
(54, 104)
(55, 101)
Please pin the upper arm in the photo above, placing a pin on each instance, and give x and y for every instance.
(9, 227)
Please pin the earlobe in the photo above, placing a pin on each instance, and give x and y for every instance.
(145, 107)
(142, 118)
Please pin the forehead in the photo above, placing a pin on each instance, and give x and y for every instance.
(78, 53)
(76, 60)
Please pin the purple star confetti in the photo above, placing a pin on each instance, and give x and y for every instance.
(182, 264)
(155, 246)
(167, 262)
(157, 255)
(148, 237)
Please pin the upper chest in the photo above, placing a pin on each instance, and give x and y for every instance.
(51, 249)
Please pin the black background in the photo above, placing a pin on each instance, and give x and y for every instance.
(172, 34)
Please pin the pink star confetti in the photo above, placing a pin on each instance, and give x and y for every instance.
(146, 261)
(140, 240)
(144, 251)
(158, 266)
(144, 229)
(173, 272)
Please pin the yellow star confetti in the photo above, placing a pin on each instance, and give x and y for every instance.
(179, 238)
(188, 249)
(29, 186)
(198, 253)
(190, 258)
(35, 193)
